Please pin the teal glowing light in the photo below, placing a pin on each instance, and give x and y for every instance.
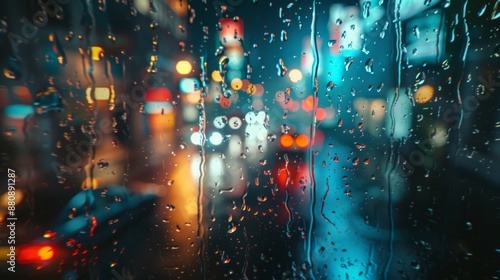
(19, 111)
(189, 85)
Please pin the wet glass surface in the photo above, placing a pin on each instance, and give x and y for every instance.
(232, 139)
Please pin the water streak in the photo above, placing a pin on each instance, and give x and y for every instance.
(391, 162)
(464, 57)
(312, 189)
(323, 205)
(287, 195)
(202, 124)
(247, 253)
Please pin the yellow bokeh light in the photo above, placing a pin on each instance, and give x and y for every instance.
(90, 184)
(295, 75)
(4, 198)
(216, 76)
(45, 253)
(96, 53)
(236, 84)
(183, 67)
(251, 89)
(424, 94)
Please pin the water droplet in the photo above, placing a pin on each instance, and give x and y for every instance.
(281, 68)
(366, 9)
(271, 37)
(415, 265)
(219, 51)
(271, 137)
(232, 228)
(468, 225)
(429, 211)
(9, 74)
(340, 123)
(416, 32)
(170, 207)
(331, 43)
(420, 78)
(496, 51)
(260, 148)
(330, 85)
(483, 9)
(369, 65)
(480, 89)
(348, 62)
(103, 164)
(3, 27)
(380, 87)
(496, 11)
(223, 61)
(48, 99)
(285, 129)
(445, 64)
(284, 36)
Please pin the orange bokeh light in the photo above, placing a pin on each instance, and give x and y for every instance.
(302, 141)
(307, 104)
(286, 140)
(424, 94)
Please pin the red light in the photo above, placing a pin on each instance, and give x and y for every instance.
(35, 253)
(158, 94)
(321, 114)
(296, 171)
(232, 30)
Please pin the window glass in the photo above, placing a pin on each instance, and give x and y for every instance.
(232, 139)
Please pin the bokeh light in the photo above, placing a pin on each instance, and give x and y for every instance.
(302, 141)
(295, 75)
(286, 140)
(236, 84)
(216, 76)
(183, 67)
(423, 94)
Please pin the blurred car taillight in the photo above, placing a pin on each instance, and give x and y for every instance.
(35, 253)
